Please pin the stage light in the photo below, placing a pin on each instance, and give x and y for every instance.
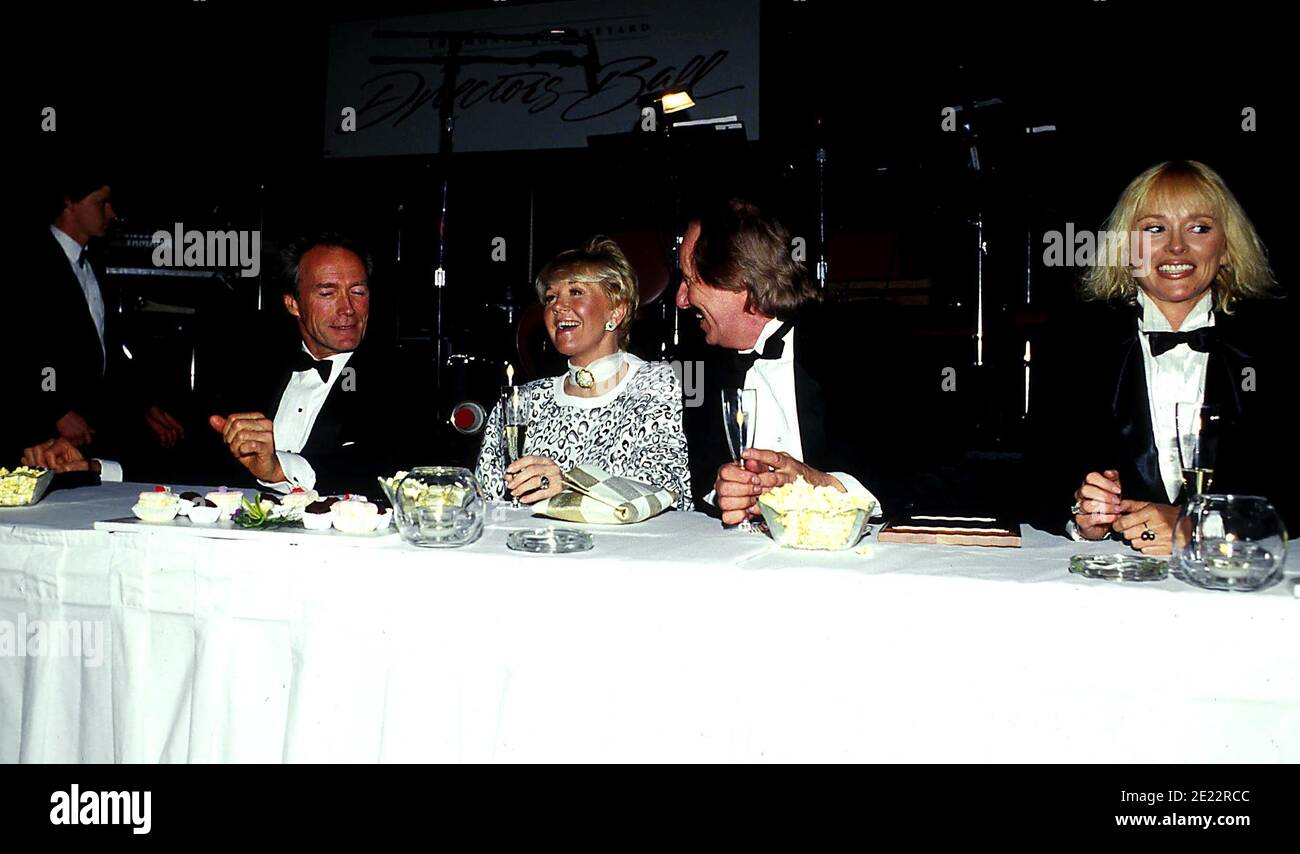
(467, 418)
(664, 103)
(675, 101)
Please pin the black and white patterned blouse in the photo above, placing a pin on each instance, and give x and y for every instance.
(633, 430)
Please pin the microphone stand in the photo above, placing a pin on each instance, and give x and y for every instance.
(823, 270)
(981, 246)
(451, 63)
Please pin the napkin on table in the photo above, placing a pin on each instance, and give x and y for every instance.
(595, 497)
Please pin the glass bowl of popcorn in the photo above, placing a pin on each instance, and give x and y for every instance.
(436, 506)
(803, 516)
(24, 485)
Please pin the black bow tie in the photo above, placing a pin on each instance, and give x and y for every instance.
(302, 361)
(773, 349)
(1197, 339)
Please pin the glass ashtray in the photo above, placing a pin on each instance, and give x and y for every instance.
(549, 541)
(1119, 567)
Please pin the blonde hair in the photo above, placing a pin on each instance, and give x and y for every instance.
(598, 261)
(1246, 274)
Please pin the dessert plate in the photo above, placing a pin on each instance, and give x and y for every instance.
(227, 530)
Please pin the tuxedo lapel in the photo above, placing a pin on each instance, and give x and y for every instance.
(277, 389)
(71, 295)
(702, 423)
(1223, 371)
(1131, 408)
(339, 414)
(731, 371)
(108, 294)
(727, 376)
(810, 403)
(327, 432)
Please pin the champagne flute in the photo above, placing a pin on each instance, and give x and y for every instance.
(516, 411)
(1198, 443)
(739, 406)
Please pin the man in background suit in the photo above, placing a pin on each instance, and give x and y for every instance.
(72, 364)
(322, 410)
(79, 355)
(814, 417)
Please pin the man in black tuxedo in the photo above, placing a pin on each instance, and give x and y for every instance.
(319, 412)
(758, 307)
(327, 416)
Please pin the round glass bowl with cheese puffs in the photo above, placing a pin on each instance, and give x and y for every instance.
(24, 485)
(802, 516)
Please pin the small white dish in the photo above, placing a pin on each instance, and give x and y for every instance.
(356, 517)
(203, 515)
(227, 502)
(156, 515)
(318, 521)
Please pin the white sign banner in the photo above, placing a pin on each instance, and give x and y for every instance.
(392, 107)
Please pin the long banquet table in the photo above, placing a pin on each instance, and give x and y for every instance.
(671, 640)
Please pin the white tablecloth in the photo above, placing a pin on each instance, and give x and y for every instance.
(672, 640)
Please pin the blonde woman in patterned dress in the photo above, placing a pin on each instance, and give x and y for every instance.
(610, 409)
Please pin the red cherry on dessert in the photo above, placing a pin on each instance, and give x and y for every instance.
(160, 489)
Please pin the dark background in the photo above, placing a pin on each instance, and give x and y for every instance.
(210, 113)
